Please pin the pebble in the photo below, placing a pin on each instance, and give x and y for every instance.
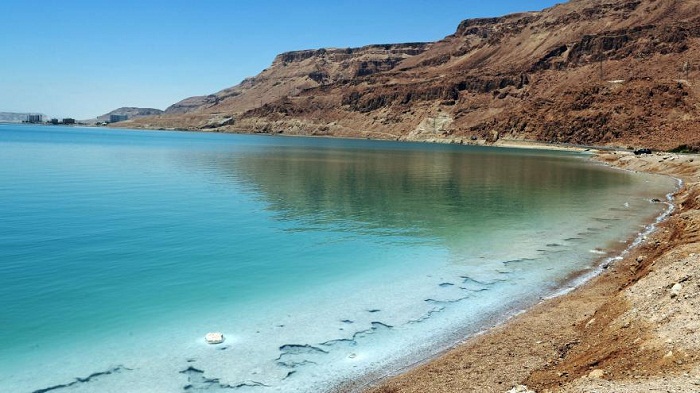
(591, 322)
(676, 289)
(596, 374)
(214, 338)
(521, 389)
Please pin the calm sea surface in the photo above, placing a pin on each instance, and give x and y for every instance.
(322, 261)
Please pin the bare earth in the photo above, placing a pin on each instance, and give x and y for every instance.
(634, 328)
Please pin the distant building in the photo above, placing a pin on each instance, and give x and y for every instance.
(54, 121)
(68, 120)
(34, 118)
(117, 118)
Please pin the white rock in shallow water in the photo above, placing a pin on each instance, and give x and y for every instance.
(214, 338)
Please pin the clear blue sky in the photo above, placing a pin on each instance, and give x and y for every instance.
(84, 58)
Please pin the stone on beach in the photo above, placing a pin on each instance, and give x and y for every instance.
(676, 290)
(214, 338)
(520, 389)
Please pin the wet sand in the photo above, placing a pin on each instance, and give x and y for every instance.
(633, 328)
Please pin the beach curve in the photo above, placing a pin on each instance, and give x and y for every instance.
(629, 328)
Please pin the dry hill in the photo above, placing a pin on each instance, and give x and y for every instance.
(604, 72)
(128, 111)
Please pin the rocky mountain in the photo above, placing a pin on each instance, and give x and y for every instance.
(129, 112)
(603, 72)
(293, 72)
(290, 74)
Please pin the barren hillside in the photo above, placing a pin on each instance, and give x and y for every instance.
(604, 72)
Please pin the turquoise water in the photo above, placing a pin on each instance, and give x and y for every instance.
(322, 261)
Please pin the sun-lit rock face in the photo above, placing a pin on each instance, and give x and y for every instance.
(615, 72)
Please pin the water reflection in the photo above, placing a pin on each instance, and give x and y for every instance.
(429, 191)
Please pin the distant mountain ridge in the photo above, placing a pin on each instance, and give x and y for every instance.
(603, 72)
(128, 111)
(17, 117)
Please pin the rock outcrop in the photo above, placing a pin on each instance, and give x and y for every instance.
(604, 72)
(129, 112)
(292, 73)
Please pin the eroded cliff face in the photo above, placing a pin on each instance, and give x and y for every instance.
(292, 73)
(612, 72)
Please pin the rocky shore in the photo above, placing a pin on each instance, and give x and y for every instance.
(634, 328)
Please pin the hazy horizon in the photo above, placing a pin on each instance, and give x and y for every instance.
(82, 59)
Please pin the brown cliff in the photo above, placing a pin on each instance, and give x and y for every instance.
(604, 72)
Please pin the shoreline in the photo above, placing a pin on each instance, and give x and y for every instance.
(565, 291)
(506, 355)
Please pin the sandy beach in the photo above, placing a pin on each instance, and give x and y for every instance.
(633, 328)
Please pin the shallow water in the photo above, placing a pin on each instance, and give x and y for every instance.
(320, 260)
